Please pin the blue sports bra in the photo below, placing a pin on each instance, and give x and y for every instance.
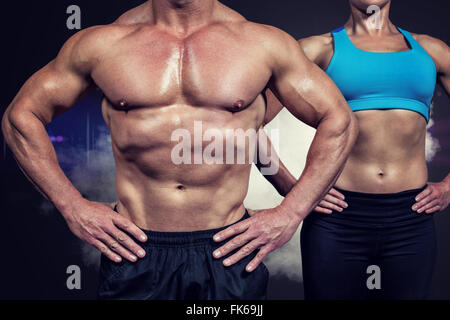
(383, 80)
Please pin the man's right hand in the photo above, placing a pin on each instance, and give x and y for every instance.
(334, 200)
(97, 224)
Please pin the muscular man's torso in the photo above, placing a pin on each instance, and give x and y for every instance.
(156, 82)
(389, 154)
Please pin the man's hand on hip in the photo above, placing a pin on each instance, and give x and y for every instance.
(266, 230)
(97, 224)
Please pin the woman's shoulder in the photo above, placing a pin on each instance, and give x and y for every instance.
(318, 48)
(436, 48)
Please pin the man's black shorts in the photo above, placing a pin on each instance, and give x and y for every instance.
(180, 266)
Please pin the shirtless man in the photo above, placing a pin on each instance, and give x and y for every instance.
(161, 67)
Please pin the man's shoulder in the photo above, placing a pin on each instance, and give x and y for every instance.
(137, 15)
(100, 37)
(264, 30)
(102, 34)
(86, 47)
(264, 36)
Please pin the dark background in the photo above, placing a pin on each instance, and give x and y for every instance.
(36, 248)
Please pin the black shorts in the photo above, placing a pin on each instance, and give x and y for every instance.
(181, 266)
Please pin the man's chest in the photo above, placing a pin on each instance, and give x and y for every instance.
(208, 69)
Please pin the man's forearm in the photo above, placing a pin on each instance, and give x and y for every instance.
(26, 136)
(326, 159)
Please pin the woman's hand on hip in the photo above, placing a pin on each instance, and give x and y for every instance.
(435, 197)
(333, 201)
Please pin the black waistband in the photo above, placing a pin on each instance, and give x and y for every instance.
(385, 209)
(379, 201)
(382, 196)
(185, 238)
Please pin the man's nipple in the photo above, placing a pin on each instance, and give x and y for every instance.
(238, 105)
(123, 103)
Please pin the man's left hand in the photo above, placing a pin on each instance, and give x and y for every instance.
(266, 230)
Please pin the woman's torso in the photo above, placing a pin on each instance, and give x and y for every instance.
(389, 154)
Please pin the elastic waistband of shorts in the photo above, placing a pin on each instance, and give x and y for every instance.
(407, 194)
(192, 238)
(384, 209)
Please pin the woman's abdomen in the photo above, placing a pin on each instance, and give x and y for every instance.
(389, 154)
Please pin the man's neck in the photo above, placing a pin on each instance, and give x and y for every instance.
(182, 16)
(376, 22)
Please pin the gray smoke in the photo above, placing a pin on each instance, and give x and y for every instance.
(92, 170)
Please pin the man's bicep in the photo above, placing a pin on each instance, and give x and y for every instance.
(58, 90)
(304, 89)
(274, 106)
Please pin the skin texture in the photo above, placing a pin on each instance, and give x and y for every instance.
(389, 154)
(162, 66)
